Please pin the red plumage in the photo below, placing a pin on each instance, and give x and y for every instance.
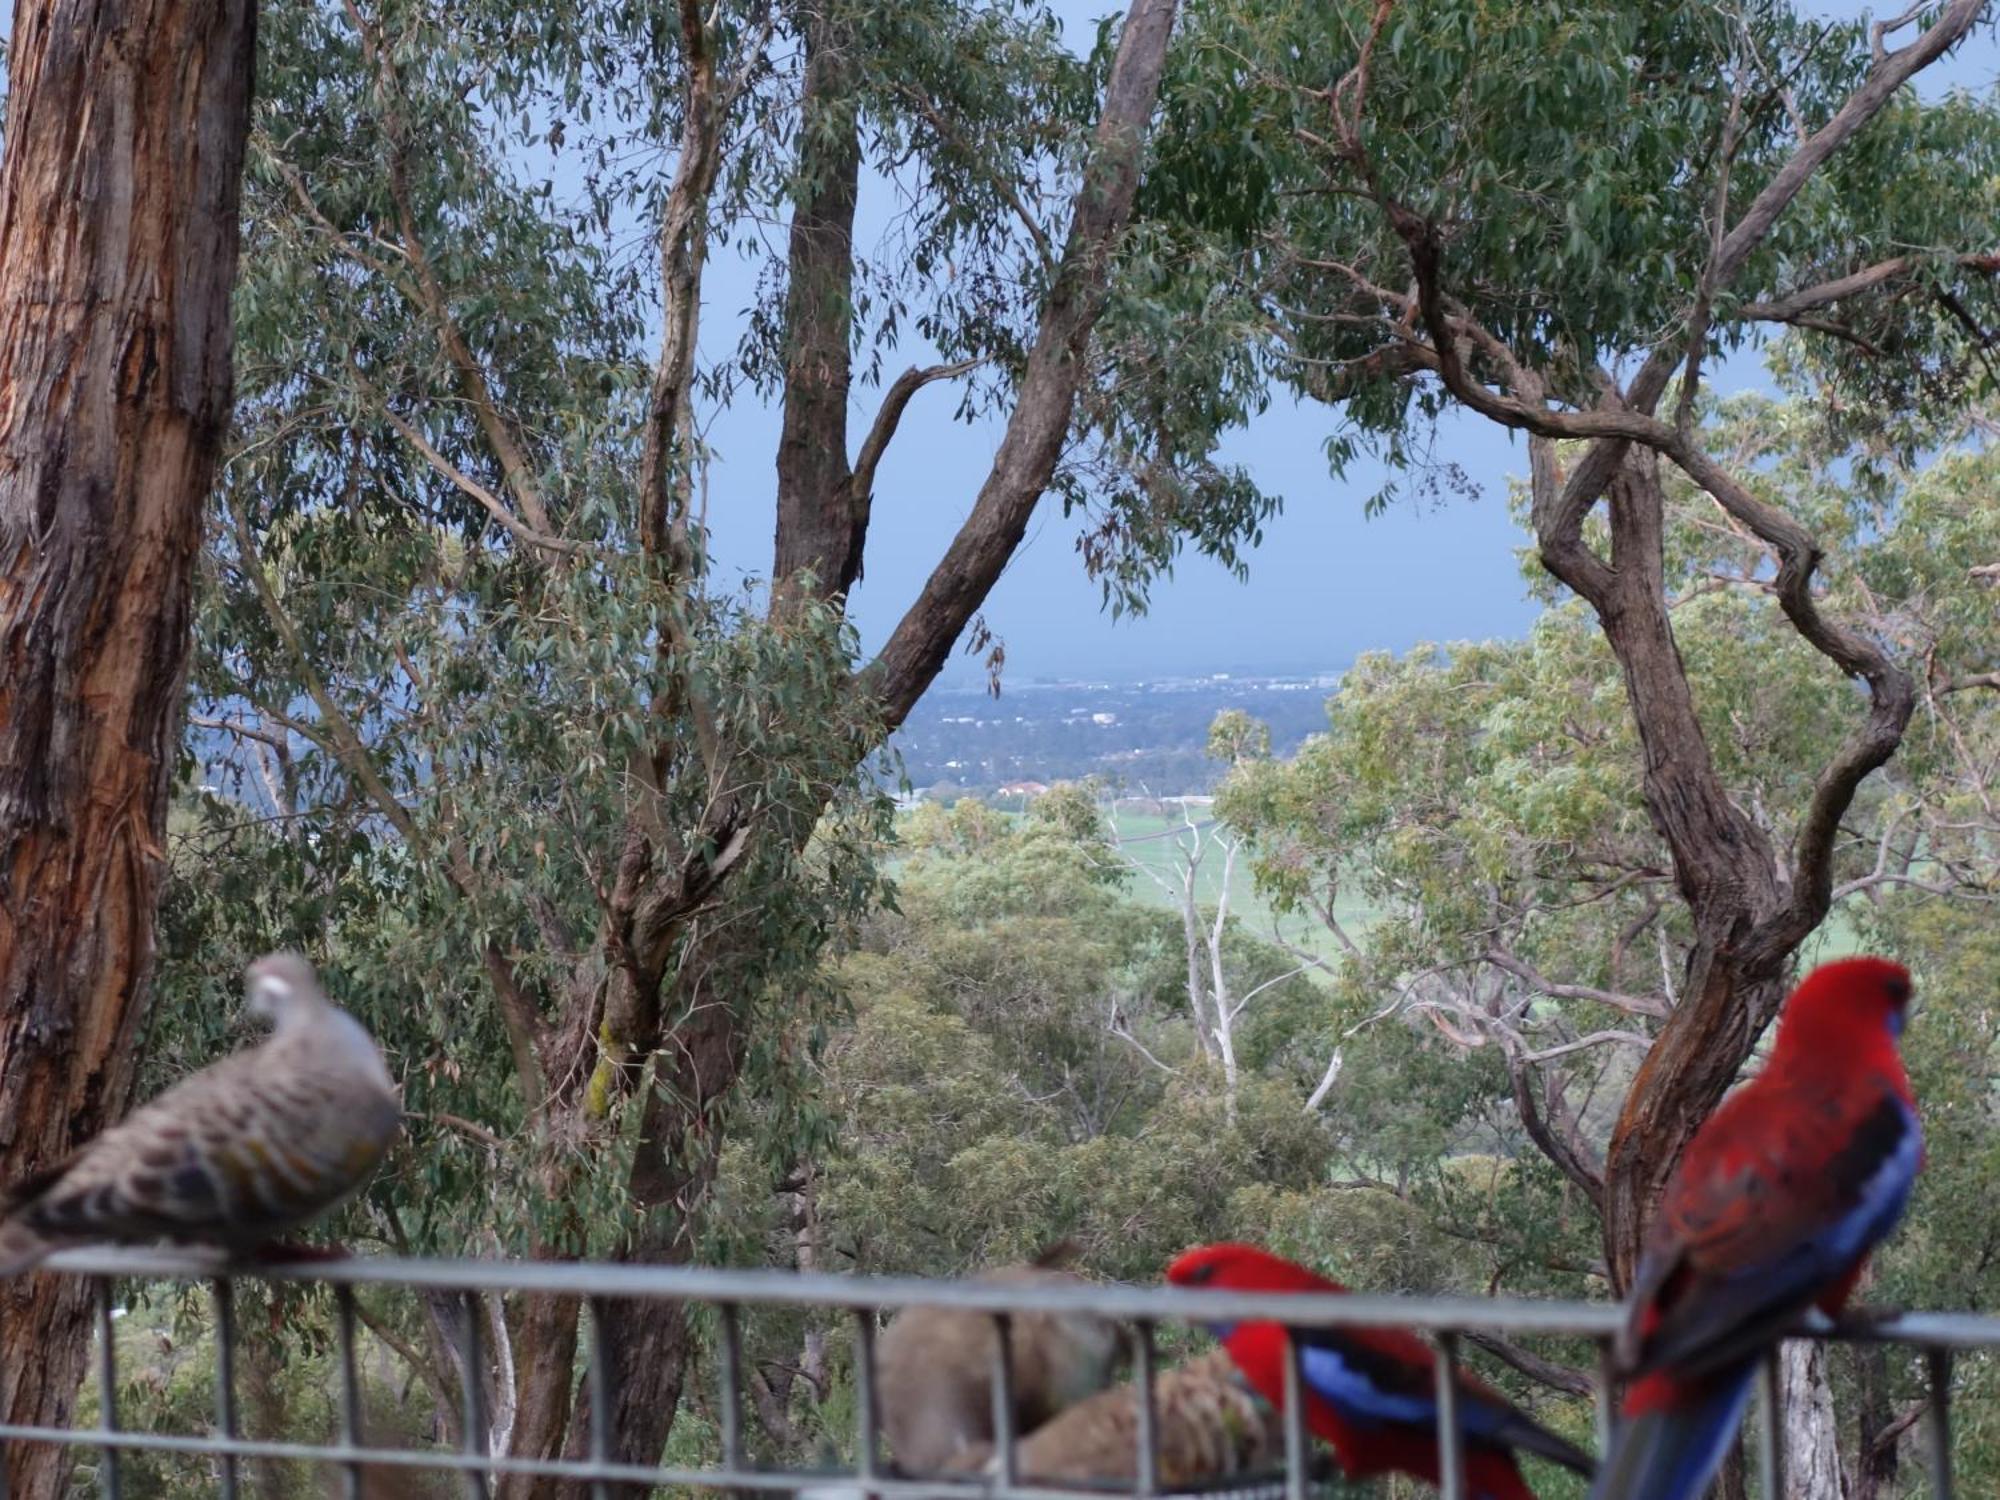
(1774, 1208)
(1383, 1365)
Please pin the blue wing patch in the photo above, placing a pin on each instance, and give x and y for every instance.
(1358, 1398)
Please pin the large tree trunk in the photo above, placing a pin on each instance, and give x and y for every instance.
(819, 529)
(118, 238)
(648, 1344)
(1751, 908)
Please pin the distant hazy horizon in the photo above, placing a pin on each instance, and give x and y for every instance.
(1327, 584)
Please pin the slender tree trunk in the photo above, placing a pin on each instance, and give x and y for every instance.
(1875, 1462)
(1811, 1433)
(698, 1040)
(818, 524)
(545, 1345)
(118, 237)
(1197, 982)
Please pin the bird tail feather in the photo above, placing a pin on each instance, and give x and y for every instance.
(1673, 1453)
(21, 1248)
(1530, 1436)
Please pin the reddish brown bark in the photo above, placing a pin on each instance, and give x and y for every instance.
(118, 237)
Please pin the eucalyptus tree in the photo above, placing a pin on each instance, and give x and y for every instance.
(1486, 800)
(528, 763)
(118, 240)
(1558, 219)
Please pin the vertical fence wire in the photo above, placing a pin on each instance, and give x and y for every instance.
(1295, 1421)
(1147, 1459)
(1770, 1462)
(111, 1481)
(731, 1378)
(1451, 1447)
(599, 1383)
(1607, 1394)
(350, 1391)
(1938, 1367)
(867, 1418)
(476, 1480)
(223, 1292)
(1003, 1400)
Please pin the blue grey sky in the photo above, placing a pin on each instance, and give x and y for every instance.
(1327, 583)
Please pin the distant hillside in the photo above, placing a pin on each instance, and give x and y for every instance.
(1133, 735)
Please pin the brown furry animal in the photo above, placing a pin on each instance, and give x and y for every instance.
(935, 1367)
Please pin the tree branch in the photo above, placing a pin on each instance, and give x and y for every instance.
(1968, 683)
(491, 503)
(1326, 1082)
(1890, 72)
(1794, 305)
(664, 496)
(424, 1368)
(1026, 461)
(895, 400)
(1631, 1005)
(1892, 695)
(1570, 1157)
(1565, 1378)
(477, 390)
(336, 733)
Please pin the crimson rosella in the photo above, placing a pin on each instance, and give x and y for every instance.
(1372, 1392)
(1773, 1209)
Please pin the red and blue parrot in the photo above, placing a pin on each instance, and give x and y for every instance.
(1774, 1208)
(1371, 1392)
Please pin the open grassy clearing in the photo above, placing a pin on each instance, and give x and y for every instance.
(1156, 843)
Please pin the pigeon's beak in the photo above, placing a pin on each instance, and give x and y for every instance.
(268, 993)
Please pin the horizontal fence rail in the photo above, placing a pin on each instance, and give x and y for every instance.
(1937, 1336)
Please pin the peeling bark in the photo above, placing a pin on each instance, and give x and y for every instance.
(1812, 1467)
(119, 191)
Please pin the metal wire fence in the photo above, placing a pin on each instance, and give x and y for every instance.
(1938, 1337)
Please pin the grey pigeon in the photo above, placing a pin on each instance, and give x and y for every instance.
(242, 1152)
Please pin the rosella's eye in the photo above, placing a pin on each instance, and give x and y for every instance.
(1899, 990)
(1204, 1272)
